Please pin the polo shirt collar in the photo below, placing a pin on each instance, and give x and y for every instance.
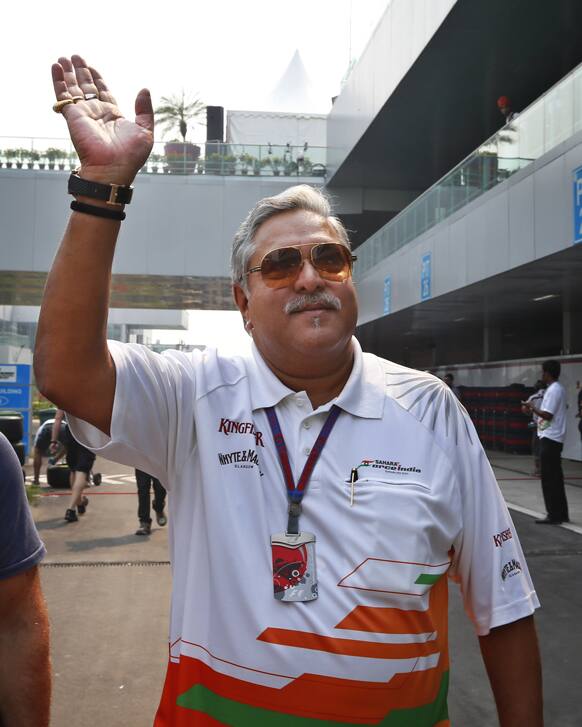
(363, 395)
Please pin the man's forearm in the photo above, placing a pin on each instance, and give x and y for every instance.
(56, 428)
(72, 363)
(542, 414)
(512, 660)
(25, 674)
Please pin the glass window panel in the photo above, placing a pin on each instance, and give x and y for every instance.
(577, 100)
(530, 130)
(558, 106)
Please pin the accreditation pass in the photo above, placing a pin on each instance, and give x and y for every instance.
(294, 573)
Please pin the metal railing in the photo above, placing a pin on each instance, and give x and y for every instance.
(216, 158)
(551, 119)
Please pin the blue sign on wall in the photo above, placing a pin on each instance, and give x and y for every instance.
(15, 394)
(578, 205)
(425, 277)
(14, 397)
(15, 374)
(387, 294)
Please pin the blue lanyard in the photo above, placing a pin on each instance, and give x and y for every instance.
(295, 493)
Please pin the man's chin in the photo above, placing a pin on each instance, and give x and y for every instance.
(316, 335)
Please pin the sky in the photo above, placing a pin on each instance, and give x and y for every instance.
(230, 54)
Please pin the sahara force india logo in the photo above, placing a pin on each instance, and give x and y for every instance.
(388, 466)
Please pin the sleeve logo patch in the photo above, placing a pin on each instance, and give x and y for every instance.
(501, 537)
(510, 569)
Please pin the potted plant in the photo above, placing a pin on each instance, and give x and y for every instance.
(10, 156)
(266, 163)
(20, 155)
(62, 159)
(154, 160)
(246, 161)
(257, 164)
(276, 165)
(32, 156)
(52, 154)
(174, 112)
(305, 166)
(213, 163)
(228, 164)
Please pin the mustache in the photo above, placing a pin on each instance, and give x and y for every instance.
(322, 299)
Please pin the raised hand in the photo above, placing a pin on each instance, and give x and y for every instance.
(111, 149)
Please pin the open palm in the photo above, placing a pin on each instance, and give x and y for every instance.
(110, 147)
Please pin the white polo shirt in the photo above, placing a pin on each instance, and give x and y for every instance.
(554, 402)
(426, 504)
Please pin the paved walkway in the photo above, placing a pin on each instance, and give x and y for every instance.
(108, 592)
(523, 491)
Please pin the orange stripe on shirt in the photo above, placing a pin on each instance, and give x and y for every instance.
(347, 647)
(382, 620)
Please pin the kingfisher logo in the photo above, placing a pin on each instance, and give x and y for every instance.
(501, 537)
(228, 426)
(389, 466)
(510, 569)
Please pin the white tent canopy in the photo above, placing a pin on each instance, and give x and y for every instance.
(295, 91)
(291, 118)
(264, 127)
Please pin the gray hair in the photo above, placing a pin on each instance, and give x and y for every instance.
(299, 197)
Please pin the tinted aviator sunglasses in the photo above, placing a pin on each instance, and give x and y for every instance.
(281, 266)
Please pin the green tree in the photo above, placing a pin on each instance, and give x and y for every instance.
(176, 111)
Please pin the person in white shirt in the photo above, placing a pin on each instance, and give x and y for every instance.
(399, 493)
(536, 400)
(552, 432)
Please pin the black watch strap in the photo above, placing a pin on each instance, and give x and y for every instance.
(111, 193)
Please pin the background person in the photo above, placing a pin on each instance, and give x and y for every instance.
(25, 671)
(42, 445)
(213, 429)
(80, 461)
(145, 483)
(552, 432)
(504, 106)
(449, 380)
(536, 400)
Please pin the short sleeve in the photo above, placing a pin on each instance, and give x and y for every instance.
(152, 425)
(20, 546)
(488, 561)
(551, 400)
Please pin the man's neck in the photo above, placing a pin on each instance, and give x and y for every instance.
(322, 388)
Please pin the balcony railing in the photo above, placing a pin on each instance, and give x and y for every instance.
(216, 158)
(550, 120)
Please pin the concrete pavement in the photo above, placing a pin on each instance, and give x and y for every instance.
(108, 592)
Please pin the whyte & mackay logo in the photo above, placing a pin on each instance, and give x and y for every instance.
(510, 569)
(228, 426)
(243, 459)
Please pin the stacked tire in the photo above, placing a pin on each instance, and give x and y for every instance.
(57, 476)
(12, 427)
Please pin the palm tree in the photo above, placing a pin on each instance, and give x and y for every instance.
(177, 111)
